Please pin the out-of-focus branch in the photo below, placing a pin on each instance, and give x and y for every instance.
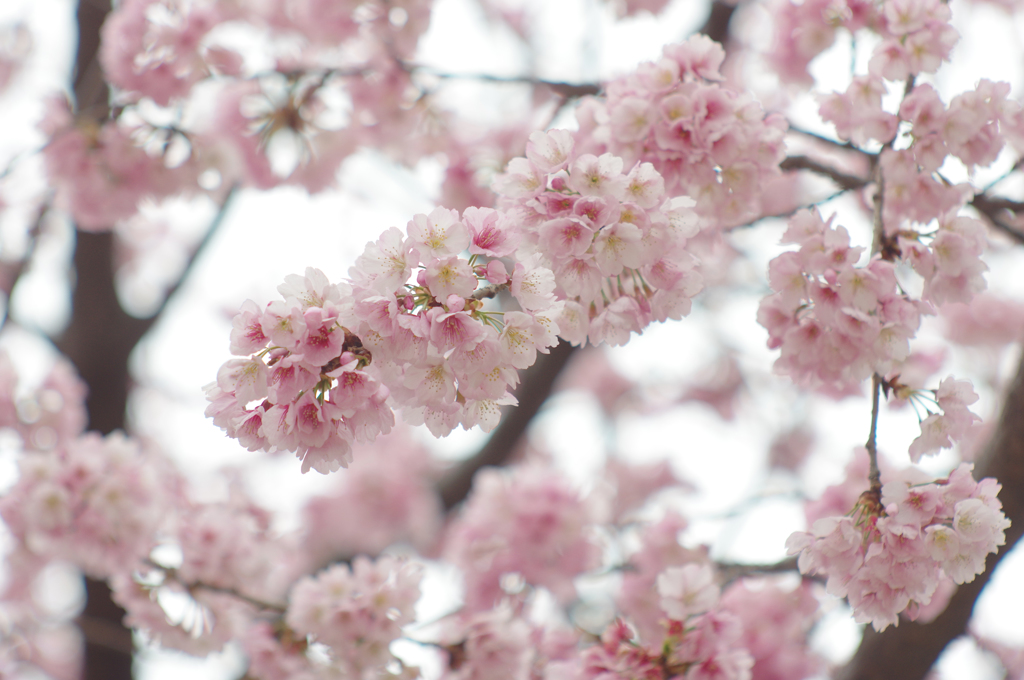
(729, 571)
(843, 146)
(100, 335)
(995, 211)
(531, 393)
(108, 644)
(567, 90)
(10, 272)
(90, 88)
(844, 180)
(101, 633)
(716, 26)
(96, 340)
(215, 223)
(909, 651)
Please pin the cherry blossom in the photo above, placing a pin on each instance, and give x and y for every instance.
(643, 212)
(893, 550)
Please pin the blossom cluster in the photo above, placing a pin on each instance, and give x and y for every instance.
(48, 416)
(700, 641)
(595, 254)
(357, 611)
(302, 387)
(947, 258)
(533, 525)
(444, 356)
(221, 564)
(502, 642)
(835, 322)
(638, 598)
(776, 621)
(940, 430)
(100, 173)
(386, 495)
(95, 501)
(974, 127)
(166, 61)
(615, 240)
(708, 140)
(916, 34)
(894, 548)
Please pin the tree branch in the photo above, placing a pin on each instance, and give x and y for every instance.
(717, 24)
(874, 474)
(96, 343)
(994, 210)
(567, 90)
(843, 146)
(730, 571)
(531, 393)
(215, 224)
(91, 92)
(844, 180)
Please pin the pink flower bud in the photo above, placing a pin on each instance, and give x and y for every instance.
(496, 272)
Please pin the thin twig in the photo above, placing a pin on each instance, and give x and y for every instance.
(909, 651)
(570, 90)
(215, 224)
(874, 475)
(171, 575)
(989, 206)
(1016, 166)
(256, 602)
(789, 213)
(992, 208)
(878, 223)
(9, 279)
(845, 146)
(489, 291)
(846, 181)
(731, 571)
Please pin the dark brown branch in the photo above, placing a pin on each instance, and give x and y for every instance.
(90, 88)
(99, 340)
(844, 180)
(730, 571)
(717, 24)
(96, 342)
(909, 651)
(995, 211)
(255, 602)
(108, 644)
(567, 90)
(99, 633)
(100, 335)
(531, 393)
